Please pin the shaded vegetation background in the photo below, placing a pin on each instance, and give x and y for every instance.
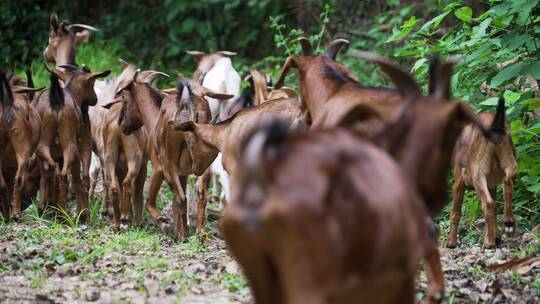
(496, 42)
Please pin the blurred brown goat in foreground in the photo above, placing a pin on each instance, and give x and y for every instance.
(324, 217)
(483, 165)
(19, 133)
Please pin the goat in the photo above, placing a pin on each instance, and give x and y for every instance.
(19, 131)
(421, 138)
(227, 136)
(334, 199)
(171, 158)
(483, 165)
(63, 40)
(66, 134)
(215, 72)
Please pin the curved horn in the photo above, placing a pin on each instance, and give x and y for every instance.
(53, 20)
(123, 62)
(307, 49)
(82, 26)
(69, 67)
(443, 80)
(404, 82)
(334, 47)
(150, 75)
(227, 53)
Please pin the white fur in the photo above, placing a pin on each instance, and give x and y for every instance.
(222, 78)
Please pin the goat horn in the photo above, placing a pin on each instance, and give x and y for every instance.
(306, 46)
(150, 75)
(404, 82)
(334, 47)
(123, 62)
(83, 26)
(442, 80)
(227, 53)
(195, 53)
(69, 67)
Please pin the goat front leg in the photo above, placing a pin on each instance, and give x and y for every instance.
(4, 194)
(138, 201)
(455, 215)
(85, 153)
(488, 206)
(508, 187)
(82, 208)
(20, 176)
(128, 187)
(202, 197)
(156, 179)
(435, 274)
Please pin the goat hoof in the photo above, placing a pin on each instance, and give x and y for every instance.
(123, 226)
(16, 217)
(104, 213)
(509, 227)
(451, 245)
(489, 245)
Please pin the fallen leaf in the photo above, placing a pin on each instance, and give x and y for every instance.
(522, 266)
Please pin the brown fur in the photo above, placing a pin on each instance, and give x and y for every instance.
(64, 39)
(339, 203)
(227, 136)
(482, 165)
(20, 127)
(170, 156)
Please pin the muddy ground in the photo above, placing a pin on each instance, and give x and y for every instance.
(45, 262)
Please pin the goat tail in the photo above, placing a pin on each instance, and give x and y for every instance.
(497, 127)
(30, 83)
(265, 144)
(6, 98)
(56, 94)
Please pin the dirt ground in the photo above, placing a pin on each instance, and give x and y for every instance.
(44, 262)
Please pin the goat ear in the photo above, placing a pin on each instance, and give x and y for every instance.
(334, 47)
(150, 75)
(290, 62)
(60, 74)
(406, 85)
(359, 113)
(217, 95)
(82, 37)
(53, 20)
(265, 144)
(24, 90)
(69, 67)
(441, 87)
(227, 53)
(307, 49)
(94, 76)
(112, 103)
(185, 126)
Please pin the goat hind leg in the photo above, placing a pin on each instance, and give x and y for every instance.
(488, 206)
(435, 275)
(508, 187)
(202, 185)
(455, 215)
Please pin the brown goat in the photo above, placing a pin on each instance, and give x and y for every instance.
(66, 136)
(483, 165)
(125, 159)
(19, 133)
(228, 135)
(169, 153)
(324, 217)
(63, 40)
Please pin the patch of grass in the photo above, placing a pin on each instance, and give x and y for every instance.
(234, 283)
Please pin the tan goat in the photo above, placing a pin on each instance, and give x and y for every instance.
(482, 165)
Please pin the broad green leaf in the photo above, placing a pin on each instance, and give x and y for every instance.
(434, 22)
(503, 21)
(533, 69)
(506, 74)
(532, 103)
(480, 30)
(418, 64)
(492, 101)
(511, 97)
(464, 13)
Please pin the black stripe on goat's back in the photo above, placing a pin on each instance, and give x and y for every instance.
(56, 94)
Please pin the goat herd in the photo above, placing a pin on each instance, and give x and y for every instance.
(332, 194)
